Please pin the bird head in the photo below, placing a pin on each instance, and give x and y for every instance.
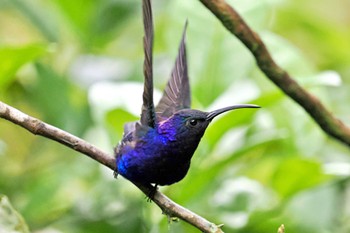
(191, 124)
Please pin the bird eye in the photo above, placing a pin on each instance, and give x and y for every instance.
(193, 122)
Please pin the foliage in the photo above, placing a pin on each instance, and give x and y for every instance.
(78, 65)
(11, 220)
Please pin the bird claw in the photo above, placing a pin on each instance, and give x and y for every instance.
(115, 174)
(151, 193)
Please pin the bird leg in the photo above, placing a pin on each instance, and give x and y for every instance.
(115, 173)
(151, 193)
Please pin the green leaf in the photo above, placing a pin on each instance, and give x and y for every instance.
(98, 20)
(13, 58)
(61, 102)
(297, 174)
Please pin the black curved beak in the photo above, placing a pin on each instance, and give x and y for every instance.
(217, 112)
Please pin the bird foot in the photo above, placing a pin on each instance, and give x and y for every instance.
(115, 174)
(151, 193)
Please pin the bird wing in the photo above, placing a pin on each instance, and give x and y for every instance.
(176, 95)
(129, 127)
(148, 113)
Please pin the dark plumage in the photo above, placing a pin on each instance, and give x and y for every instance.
(159, 148)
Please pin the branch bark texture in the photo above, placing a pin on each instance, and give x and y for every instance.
(238, 27)
(41, 128)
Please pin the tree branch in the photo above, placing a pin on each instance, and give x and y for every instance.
(41, 128)
(238, 27)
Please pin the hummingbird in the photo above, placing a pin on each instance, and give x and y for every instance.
(158, 148)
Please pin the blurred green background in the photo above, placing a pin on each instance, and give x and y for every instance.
(78, 65)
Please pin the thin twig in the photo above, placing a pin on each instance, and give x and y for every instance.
(41, 128)
(238, 27)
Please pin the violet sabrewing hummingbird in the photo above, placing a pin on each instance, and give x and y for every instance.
(158, 149)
